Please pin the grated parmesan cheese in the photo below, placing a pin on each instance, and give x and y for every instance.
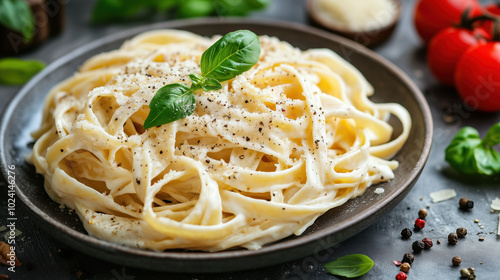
(498, 229)
(442, 195)
(495, 204)
(359, 15)
(379, 191)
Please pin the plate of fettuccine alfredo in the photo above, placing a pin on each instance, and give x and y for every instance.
(272, 164)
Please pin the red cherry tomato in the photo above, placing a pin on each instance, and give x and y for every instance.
(447, 47)
(494, 11)
(431, 16)
(477, 77)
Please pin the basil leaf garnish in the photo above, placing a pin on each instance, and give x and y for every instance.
(492, 137)
(15, 71)
(230, 56)
(197, 80)
(211, 84)
(227, 58)
(171, 102)
(195, 8)
(119, 10)
(350, 266)
(469, 154)
(17, 15)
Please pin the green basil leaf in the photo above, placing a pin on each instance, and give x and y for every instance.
(195, 8)
(211, 84)
(469, 154)
(197, 81)
(233, 54)
(170, 103)
(15, 71)
(205, 84)
(163, 5)
(487, 161)
(492, 137)
(350, 266)
(258, 4)
(230, 56)
(231, 7)
(106, 10)
(17, 15)
(460, 152)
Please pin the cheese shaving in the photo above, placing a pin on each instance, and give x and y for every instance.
(360, 15)
(498, 229)
(495, 204)
(443, 195)
(379, 191)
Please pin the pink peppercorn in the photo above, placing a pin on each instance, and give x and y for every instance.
(427, 243)
(419, 224)
(401, 276)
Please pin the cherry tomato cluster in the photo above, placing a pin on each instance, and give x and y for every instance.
(463, 48)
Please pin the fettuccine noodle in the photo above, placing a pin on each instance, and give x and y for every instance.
(259, 160)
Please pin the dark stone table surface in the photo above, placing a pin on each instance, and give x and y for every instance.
(46, 258)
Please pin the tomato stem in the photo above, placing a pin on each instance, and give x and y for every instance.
(495, 31)
(467, 21)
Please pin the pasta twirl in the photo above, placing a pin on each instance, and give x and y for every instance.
(259, 160)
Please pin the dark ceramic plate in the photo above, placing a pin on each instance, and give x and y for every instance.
(391, 85)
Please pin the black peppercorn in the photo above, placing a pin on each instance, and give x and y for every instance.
(408, 258)
(456, 261)
(427, 243)
(465, 204)
(406, 233)
(452, 238)
(418, 246)
(461, 232)
(470, 204)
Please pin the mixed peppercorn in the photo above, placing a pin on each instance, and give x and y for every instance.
(426, 243)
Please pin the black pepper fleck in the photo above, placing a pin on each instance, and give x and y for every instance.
(461, 232)
(452, 238)
(418, 246)
(408, 258)
(406, 233)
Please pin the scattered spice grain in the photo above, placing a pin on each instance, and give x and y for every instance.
(419, 224)
(427, 243)
(456, 260)
(408, 258)
(405, 267)
(422, 213)
(406, 233)
(401, 276)
(452, 238)
(418, 246)
(461, 232)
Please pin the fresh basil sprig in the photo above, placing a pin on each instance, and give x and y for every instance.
(350, 266)
(112, 10)
(17, 15)
(15, 71)
(231, 55)
(469, 154)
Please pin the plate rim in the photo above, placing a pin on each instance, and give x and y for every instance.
(243, 253)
